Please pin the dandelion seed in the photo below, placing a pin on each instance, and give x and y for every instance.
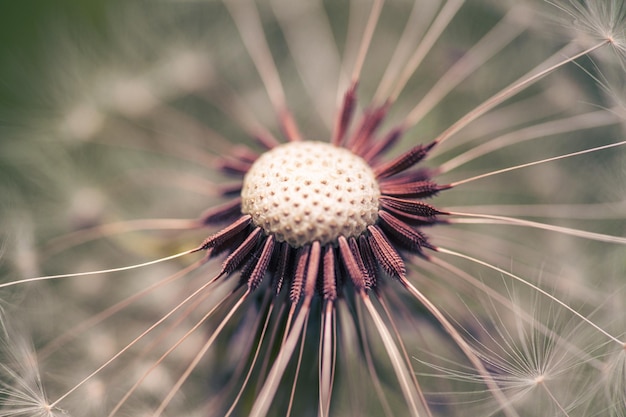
(351, 258)
(21, 387)
(601, 19)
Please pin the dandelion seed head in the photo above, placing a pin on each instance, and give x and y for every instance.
(319, 254)
(540, 379)
(603, 19)
(21, 389)
(306, 191)
(615, 383)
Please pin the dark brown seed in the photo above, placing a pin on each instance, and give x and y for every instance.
(313, 269)
(257, 274)
(381, 146)
(407, 236)
(406, 177)
(419, 189)
(222, 212)
(289, 126)
(266, 140)
(233, 166)
(414, 219)
(354, 247)
(244, 154)
(227, 233)
(329, 286)
(234, 259)
(413, 207)
(386, 256)
(228, 190)
(403, 162)
(409, 206)
(343, 121)
(282, 259)
(297, 284)
(369, 261)
(351, 265)
(369, 123)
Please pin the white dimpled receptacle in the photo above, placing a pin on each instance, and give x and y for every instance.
(301, 192)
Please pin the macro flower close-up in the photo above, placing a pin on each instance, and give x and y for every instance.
(313, 208)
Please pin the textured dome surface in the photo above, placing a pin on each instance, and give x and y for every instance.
(301, 192)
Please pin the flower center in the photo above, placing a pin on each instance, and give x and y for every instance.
(301, 192)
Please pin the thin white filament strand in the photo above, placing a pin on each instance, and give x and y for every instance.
(448, 11)
(166, 354)
(519, 314)
(596, 211)
(264, 398)
(394, 355)
(366, 39)
(21, 392)
(464, 346)
(502, 34)
(200, 355)
(542, 161)
(351, 46)
(512, 369)
(354, 394)
(522, 112)
(311, 44)
(110, 311)
(509, 92)
(555, 127)
(326, 361)
(416, 384)
(456, 238)
(273, 338)
(556, 402)
(518, 364)
(132, 343)
(421, 15)
(367, 352)
(248, 21)
(492, 219)
(102, 271)
(534, 287)
(254, 359)
(270, 386)
(334, 356)
(298, 367)
(92, 233)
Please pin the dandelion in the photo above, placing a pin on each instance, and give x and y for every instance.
(21, 387)
(407, 209)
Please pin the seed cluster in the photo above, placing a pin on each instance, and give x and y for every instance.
(302, 192)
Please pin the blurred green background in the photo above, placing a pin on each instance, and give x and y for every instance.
(26, 28)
